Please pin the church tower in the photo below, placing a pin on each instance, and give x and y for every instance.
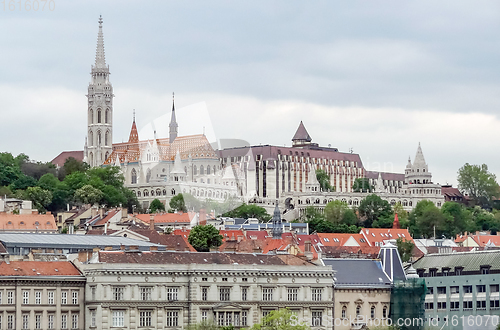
(173, 124)
(100, 108)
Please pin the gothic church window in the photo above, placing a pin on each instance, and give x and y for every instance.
(194, 170)
(208, 169)
(148, 175)
(133, 178)
(99, 116)
(91, 138)
(99, 138)
(106, 138)
(106, 116)
(201, 170)
(91, 116)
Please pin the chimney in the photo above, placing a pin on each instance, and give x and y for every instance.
(106, 228)
(151, 222)
(124, 213)
(93, 211)
(101, 213)
(203, 217)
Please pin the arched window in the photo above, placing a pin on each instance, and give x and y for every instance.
(214, 169)
(194, 170)
(173, 191)
(91, 159)
(107, 155)
(384, 312)
(208, 169)
(145, 193)
(358, 310)
(201, 170)
(106, 116)
(91, 116)
(99, 116)
(148, 175)
(344, 312)
(152, 192)
(107, 138)
(164, 192)
(158, 192)
(99, 138)
(91, 139)
(372, 312)
(133, 176)
(138, 193)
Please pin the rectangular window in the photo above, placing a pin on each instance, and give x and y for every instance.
(430, 290)
(74, 321)
(64, 321)
(50, 321)
(467, 304)
(224, 294)
(146, 293)
(244, 292)
(93, 316)
(481, 304)
(237, 319)
(292, 294)
(495, 303)
(92, 292)
(74, 297)
(429, 305)
(244, 318)
(441, 305)
(64, 297)
(26, 321)
(316, 294)
(26, 297)
(316, 318)
(172, 318)
(50, 297)
(0, 298)
(220, 319)
(118, 318)
(117, 293)
(481, 288)
(172, 294)
(441, 290)
(267, 294)
(204, 315)
(204, 293)
(454, 289)
(145, 318)
(467, 288)
(494, 288)
(38, 297)
(38, 321)
(11, 320)
(454, 305)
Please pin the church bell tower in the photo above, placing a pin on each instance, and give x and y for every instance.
(100, 108)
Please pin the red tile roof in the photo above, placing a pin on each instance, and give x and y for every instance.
(482, 240)
(380, 235)
(38, 268)
(337, 239)
(365, 252)
(110, 214)
(20, 222)
(231, 234)
(61, 158)
(256, 234)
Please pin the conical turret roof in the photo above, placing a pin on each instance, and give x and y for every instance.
(100, 60)
(134, 136)
(301, 134)
(178, 169)
(419, 157)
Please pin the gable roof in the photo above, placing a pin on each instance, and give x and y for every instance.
(482, 240)
(338, 239)
(184, 218)
(377, 236)
(38, 268)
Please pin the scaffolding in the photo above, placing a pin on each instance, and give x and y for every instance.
(407, 304)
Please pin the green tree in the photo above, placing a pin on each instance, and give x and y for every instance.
(324, 180)
(458, 218)
(177, 203)
(72, 165)
(478, 183)
(48, 181)
(338, 212)
(156, 206)
(402, 215)
(202, 238)
(249, 211)
(88, 195)
(426, 218)
(362, 185)
(282, 319)
(373, 208)
(41, 198)
(405, 249)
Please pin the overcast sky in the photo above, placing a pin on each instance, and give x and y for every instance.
(375, 76)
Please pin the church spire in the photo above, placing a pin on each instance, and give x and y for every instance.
(277, 224)
(173, 123)
(100, 60)
(134, 136)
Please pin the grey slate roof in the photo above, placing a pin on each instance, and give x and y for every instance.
(301, 134)
(470, 261)
(10, 240)
(358, 273)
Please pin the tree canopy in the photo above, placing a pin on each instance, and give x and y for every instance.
(177, 203)
(156, 206)
(478, 183)
(375, 212)
(249, 211)
(202, 238)
(282, 319)
(324, 180)
(362, 185)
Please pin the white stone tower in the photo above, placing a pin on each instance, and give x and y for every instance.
(100, 108)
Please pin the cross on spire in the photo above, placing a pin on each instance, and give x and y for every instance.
(100, 61)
